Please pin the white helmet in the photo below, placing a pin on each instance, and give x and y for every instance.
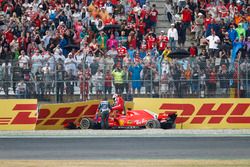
(115, 96)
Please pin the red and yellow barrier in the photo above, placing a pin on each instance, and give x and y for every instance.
(18, 114)
(226, 113)
(54, 116)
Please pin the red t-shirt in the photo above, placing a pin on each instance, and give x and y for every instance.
(108, 81)
(132, 42)
(162, 42)
(187, 15)
(192, 51)
(115, 2)
(153, 15)
(207, 21)
(121, 51)
(141, 27)
(143, 13)
(9, 36)
(150, 42)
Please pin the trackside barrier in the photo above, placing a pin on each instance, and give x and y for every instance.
(16, 114)
(54, 116)
(226, 113)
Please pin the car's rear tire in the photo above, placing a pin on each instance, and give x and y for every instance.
(153, 124)
(86, 123)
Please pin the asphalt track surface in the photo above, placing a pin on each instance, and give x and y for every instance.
(120, 148)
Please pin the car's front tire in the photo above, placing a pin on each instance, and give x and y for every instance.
(153, 124)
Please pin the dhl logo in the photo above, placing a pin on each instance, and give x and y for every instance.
(63, 115)
(23, 116)
(225, 111)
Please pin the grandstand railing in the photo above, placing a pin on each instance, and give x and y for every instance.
(236, 85)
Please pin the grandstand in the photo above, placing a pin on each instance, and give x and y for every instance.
(61, 51)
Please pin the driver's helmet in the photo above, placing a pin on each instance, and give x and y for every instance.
(115, 96)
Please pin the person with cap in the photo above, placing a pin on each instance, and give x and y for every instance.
(199, 23)
(162, 41)
(172, 37)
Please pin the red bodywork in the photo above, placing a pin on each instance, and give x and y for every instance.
(135, 118)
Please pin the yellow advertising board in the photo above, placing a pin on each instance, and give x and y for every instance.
(55, 116)
(228, 113)
(17, 114)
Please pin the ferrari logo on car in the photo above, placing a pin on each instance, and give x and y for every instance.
(129, 122)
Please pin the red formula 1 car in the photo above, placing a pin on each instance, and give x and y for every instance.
(133, 119)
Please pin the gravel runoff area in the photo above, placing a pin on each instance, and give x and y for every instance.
(127, 133)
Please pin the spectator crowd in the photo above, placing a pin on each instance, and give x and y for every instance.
(103, 46)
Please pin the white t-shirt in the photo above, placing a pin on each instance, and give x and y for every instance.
(212, 41)
(22, 60)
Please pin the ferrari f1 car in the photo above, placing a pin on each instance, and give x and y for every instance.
(134, 119)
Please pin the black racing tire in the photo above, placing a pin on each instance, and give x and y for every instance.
(153, 124)
(86, 123)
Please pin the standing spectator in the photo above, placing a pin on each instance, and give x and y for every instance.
(181, 34)
(108, 83)
(153, 16)
(212, 77)
(232, 33)
(6, 66)
(40, 85)
(48, 79)
(21, 89)
(147, 78)
(93, 69)
(164, 84)
(162, 42)
(98, 82)
(112, 42)
(36, 61)
(70, 83)
(84, 78)
(199, 23)
(224, 80)
(28, 77)
(60, 78)
(102, 41)
(240, 30)
(168, 11)
(127, 79)
(186, 17)
(213, 42)
(136, 77)
(118, 74)
(172, 36)
(195, 81)
(193, 50)
(17, 75)
(70, 64)
(22, 59)
(114, 54)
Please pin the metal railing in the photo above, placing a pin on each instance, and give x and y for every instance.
(69, 91)
(51, 89)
